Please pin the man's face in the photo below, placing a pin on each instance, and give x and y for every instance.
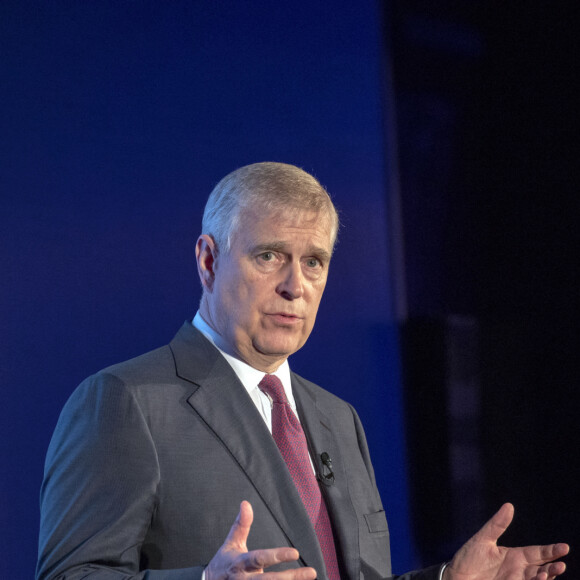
(262, 297)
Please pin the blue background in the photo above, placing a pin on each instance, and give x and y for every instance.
(117, 120)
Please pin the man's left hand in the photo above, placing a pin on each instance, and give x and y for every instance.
(482, 559)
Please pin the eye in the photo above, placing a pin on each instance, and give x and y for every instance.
(313, 263)
(267, 256)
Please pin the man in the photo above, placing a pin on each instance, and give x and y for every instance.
(152, 458)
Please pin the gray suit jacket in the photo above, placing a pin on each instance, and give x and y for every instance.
(151, 458)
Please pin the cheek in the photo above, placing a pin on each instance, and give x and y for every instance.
(316, 296)
(244, 299)
(313, 305)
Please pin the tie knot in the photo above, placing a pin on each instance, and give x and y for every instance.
(272, 386)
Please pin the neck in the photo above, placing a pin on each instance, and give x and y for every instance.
(254, 358)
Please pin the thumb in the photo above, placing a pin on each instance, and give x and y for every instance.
(497, 525)
(240, 529)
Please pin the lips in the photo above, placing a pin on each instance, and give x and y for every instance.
(285, 317)
(286, 314)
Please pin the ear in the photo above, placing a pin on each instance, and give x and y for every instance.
(206, 256)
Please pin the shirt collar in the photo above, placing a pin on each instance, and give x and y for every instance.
(249, 376)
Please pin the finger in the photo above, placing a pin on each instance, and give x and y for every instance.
(260, 559)
(497, 525)
(559, 550)
(541, 554)
(552, 552)
(552, 570)
(240, 529)
(294, 574)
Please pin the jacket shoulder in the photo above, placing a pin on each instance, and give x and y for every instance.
(151, 366)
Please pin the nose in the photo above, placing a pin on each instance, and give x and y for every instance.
(292, 284)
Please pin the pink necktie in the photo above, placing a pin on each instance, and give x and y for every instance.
(291, 442)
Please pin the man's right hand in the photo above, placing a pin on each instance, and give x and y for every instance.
(234, 562)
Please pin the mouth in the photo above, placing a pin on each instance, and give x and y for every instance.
(285, 318)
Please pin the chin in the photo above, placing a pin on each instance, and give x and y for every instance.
(278, 349)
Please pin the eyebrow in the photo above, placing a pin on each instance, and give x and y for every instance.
(321, 253)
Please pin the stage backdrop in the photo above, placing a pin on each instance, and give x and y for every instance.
(117, 119)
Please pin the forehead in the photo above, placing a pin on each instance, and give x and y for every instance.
(290, 224)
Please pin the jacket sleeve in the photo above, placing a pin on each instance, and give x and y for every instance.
(100, 489)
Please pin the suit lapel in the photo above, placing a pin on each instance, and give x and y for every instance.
(225, 406)
(321, 439)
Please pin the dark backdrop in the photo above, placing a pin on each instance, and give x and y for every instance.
(488, 147)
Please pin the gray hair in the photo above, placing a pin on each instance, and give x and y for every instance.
(270, 186)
